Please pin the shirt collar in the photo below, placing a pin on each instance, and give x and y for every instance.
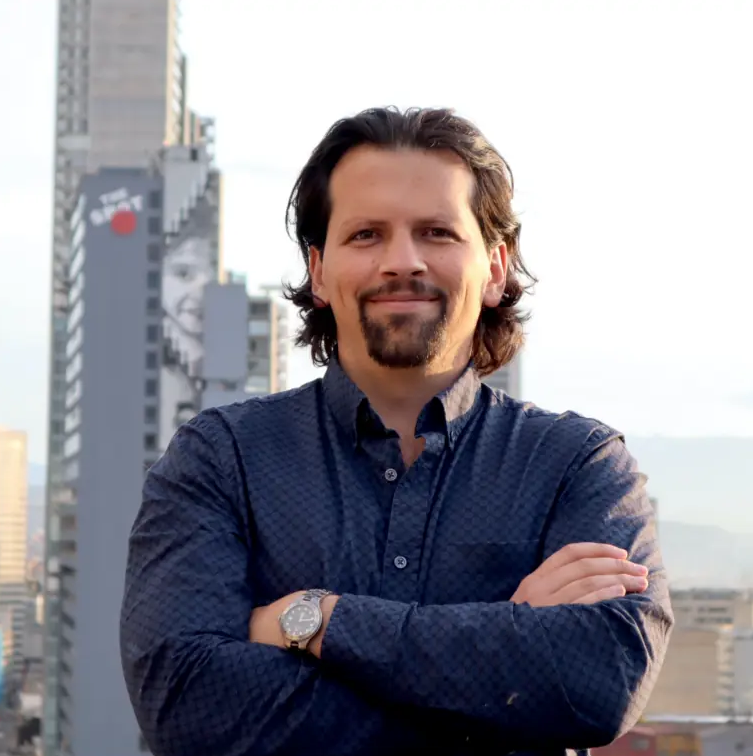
(448, 412)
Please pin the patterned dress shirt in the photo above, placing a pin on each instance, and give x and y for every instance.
(424, 653)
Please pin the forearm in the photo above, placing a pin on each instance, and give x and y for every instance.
(209, 694)
(503, 667)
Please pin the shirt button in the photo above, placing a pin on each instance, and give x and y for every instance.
(390, 474)
(401, 562)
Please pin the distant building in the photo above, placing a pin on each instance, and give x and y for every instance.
(507, 379)
(121, 94)
(708, 669)
(154, 334)
(712, 607)
(689, 736)
(6, 649)
(13, 543)
(742, 662)
(697, 677)
(246, 342)
(145, 243)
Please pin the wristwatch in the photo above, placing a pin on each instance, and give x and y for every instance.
(302, 619)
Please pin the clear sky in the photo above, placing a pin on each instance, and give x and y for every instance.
(628, 126)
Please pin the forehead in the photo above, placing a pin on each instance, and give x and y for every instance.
(389, 183)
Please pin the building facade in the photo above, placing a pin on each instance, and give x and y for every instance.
(145, 242)
(153, 335)
(708, 670)
(121, 94)
(508, 379)
(247, 344)
(697, 678)
(712, 607)
(13, 546)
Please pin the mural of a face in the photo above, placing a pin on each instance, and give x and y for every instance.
(187, 269)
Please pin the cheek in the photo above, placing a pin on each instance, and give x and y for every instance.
(343, 280)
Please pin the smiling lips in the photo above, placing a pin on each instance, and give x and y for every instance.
(407, 301)
(402, 301)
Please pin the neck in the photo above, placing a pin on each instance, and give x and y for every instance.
(398, 395)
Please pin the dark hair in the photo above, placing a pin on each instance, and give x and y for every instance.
(499, 333)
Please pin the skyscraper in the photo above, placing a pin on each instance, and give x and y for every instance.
(13, 517)
(145, 243)
(121, 96)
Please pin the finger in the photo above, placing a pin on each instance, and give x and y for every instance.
(605, 594)
(574, 552)
(585, 568)
(575, 592)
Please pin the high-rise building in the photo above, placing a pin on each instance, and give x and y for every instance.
(507, 378)
(13, 517)
(145, 242)
(121, 95)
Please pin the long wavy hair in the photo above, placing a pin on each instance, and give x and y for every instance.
(499, 332)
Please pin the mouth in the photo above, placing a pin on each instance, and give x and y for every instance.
(402, 303)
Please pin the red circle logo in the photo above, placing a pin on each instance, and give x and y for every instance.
(123, 222)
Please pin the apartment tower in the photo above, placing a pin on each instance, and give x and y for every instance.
(121, 96)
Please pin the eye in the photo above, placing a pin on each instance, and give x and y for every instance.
(440, 233)
(367, 234)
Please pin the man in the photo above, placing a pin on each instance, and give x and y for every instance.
(395, 559)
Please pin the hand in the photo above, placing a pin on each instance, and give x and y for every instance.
(264, 625)
(582, 573)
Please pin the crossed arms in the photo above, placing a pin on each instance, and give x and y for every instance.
(537, 672)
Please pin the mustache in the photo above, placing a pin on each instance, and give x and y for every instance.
(411, 286)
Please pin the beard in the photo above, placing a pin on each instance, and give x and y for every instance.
(404, 339)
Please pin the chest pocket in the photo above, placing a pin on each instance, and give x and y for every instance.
(480, 571)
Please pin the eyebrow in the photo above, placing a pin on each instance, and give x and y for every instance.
(448, 220)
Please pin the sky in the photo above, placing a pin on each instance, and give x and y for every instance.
(627, 125)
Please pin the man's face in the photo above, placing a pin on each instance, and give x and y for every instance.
(404, 267)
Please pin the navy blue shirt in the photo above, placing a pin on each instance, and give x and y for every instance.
(424, 653)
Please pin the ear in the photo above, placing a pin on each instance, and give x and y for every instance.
(495, 286)
(316, 272)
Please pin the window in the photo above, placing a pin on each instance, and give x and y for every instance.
(152, 334)
(154, 225)
(150, 442)
(153, 279)
(151, 360)
(150, 387)
(155, 200)
(154, 252)
(150, 415)
(153, 305)
(75, 315)
(72, 445)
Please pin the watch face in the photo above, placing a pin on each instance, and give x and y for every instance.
(300, 621)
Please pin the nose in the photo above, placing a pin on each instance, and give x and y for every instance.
(401, 257)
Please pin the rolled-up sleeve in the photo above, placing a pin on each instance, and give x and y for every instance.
(197, 685)
(571, 676)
